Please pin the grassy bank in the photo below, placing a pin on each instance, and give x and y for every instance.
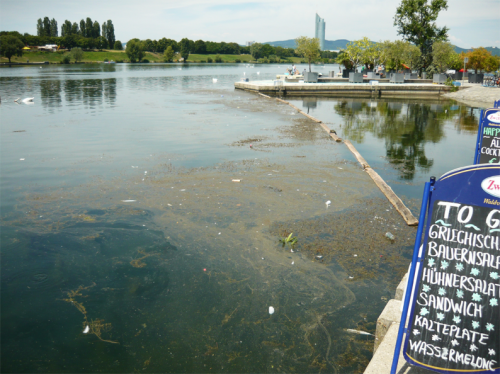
(121, 56)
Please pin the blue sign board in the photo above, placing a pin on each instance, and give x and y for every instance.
(488, 143)
(454, 324)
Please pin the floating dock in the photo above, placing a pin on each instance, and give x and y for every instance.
(341, 88)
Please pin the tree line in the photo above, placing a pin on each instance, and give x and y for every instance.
(87, 34)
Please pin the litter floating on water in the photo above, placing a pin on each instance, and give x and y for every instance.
(271, 310)
(214, 80)
(319, 257)
(389, 236)
(236, 180)
(21, 159)
(87, 329)
(328, 203)
(28, 100)
(129, 201)
(135, 167)
(358, 332)
(293, 262)
(183, 190)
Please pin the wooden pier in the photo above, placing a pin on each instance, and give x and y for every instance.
(381, 90)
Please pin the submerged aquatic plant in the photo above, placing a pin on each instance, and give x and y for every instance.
(289, 240)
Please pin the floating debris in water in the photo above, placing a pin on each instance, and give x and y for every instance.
(359, 332)
(328, 203)
(87, 329)
(319, 257)
(236, 180)
(21, 159)
(271, 310)
(129, 201)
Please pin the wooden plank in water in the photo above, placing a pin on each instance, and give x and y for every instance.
(332, 134)
(358, 156)
(393, 198)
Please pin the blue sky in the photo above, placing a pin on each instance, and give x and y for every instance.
(472, 23)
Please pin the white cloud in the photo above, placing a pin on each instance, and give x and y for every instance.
(471, 24)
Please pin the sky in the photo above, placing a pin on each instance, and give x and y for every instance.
(471, 23)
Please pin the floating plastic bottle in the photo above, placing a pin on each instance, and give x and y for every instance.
(389, 236)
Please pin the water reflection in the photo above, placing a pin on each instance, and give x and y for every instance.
(405, 127)
(89, 92)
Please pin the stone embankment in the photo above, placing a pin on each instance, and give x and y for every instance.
(386, 336)
(476, 95)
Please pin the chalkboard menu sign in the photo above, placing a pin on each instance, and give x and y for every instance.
(488, 150)
(455, 319)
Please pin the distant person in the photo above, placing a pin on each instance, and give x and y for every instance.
(304, 73)
(294, 69)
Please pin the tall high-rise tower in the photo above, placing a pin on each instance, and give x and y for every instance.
(320, 31)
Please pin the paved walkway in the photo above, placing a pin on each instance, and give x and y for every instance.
(476, 95)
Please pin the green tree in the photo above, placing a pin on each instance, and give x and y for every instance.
(104, 31)
(83, 31)
(356, 51)
(53, 27)
(74, 28)
(39, 27)
(184, 45)
(96, 30)
(200, 47)
(110, 33)
(11, 46)
(168, 55)
(46, 26)
(268, 50)
(134, 50)
(101, 43)
(256, 50)
(77, 54)
(66, 28)
(416, 22)
(308, 48)
(442, 55)
(89, 26)
(411, 55)
(118, 46)
(479, 59)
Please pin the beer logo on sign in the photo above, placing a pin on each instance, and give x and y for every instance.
(491, 186)
(494, 117)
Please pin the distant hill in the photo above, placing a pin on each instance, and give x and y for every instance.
(329, 44)
(494, 50)
(342, 43)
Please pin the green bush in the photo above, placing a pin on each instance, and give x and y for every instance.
(66, 59)
(145, 60)
(237, 60)
(209, 59)
(106, 60)
(218, 58)
(119, 61)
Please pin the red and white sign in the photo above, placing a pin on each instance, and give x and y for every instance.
(491, 185)
(494, 117)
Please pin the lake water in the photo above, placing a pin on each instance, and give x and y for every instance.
(122, 217)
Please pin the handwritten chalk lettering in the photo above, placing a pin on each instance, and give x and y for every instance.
(493, 223)
(490, 152)
(491, 131)
(470, 239)
(462, 282)
(452, 330)
(484, 259)
(445, 304)
(495, 142)
(427, 349)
